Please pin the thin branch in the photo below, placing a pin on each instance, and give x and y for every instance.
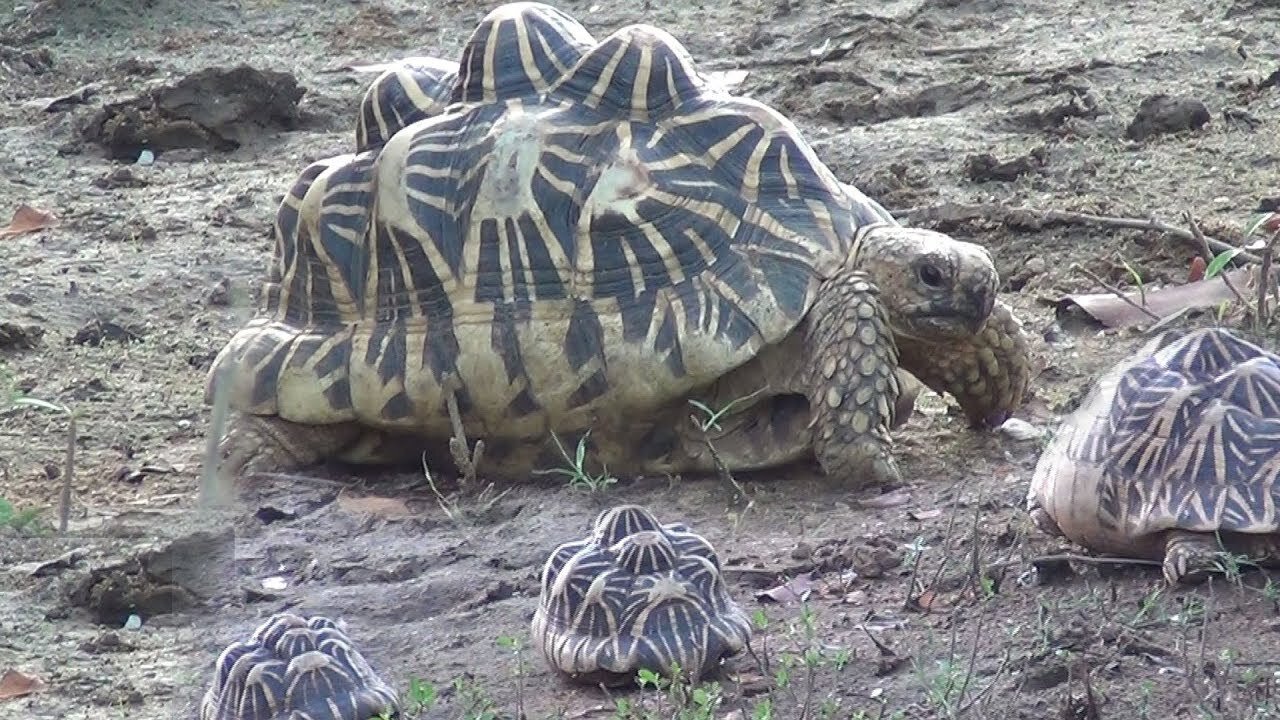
(64, 502)
(1114, 290)
(1208, 254)
(1263, 317)
(956, 212)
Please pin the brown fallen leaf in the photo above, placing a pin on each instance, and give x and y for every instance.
(27, 219)
(792, 591)
(926, 602)
(1114, 312)
(14, 684)
(384, 507)
(1198, 268)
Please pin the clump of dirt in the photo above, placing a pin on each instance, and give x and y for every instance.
(1164, 114)
(157, 578)
(22, 336)
(217, 109)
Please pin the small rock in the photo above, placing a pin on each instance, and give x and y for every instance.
(1163, 114)
(97, 332)
(802, 551)
(1021, 429)
(133, 623)
(274, 583)
(118, 178)
(146, 157)
(15, 336)
(220, 293)
(1031, 268)
(986, 167)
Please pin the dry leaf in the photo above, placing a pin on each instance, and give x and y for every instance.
(27, 219)
(1198, 267)
(921, 515)
(385, 507)
(792, 591)
(1114, 312)
(887, 500)
(926, 601)
(14, 684)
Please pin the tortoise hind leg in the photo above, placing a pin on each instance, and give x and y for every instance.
(854, 387)
(262, 443)
(1190, 557)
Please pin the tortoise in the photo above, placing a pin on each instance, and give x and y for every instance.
(636, 594)
(582, 240)
(1174, 456)
(297, 668)
(408, 90)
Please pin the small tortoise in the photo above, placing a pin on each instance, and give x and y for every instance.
(1173, 456)
(636, 595)
(295, 668)
(585, 238)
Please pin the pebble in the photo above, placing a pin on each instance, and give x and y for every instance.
(133, 623)
(146, 157)
(1021, 430)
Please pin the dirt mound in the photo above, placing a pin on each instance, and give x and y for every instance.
(213, 109)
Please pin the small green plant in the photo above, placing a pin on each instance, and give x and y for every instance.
(475, 703)
(516, 646)
(1137, 281)
(710, 422)
(27, 522)
(576, 471)
(1219, 262)
(422, 696)
(16, 400)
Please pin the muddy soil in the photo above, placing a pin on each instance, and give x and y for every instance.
(117, 310)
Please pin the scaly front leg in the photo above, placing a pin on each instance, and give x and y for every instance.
(854, 386)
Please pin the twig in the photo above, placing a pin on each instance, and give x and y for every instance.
(722, 470)
(1088, 559)
(1263, 317)
(1114, 290)
(956, 212)
(213, 490)
(64, 502)
(738, 569)
(1208, 255)
(467, 460)
(305, 479)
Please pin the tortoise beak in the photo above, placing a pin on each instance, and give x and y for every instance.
(981, 300)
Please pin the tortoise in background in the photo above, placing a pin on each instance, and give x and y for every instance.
(636, 594)
(582, 239)
(1174, 456)
(302, 669)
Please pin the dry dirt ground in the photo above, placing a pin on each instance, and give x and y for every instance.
(117, 310)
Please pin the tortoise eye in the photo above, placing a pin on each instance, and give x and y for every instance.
(930, 275)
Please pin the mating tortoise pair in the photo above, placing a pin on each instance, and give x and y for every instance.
(561, 236)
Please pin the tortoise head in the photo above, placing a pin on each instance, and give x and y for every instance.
(932, 285)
